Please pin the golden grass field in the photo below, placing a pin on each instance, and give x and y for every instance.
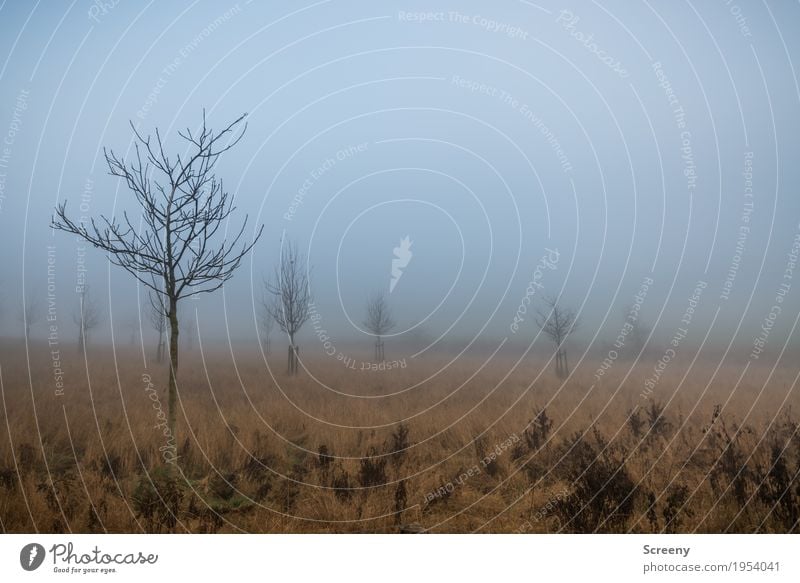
(425, 448)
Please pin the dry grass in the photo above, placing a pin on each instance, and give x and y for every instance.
(461, 452)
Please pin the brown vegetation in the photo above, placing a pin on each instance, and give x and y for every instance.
(264, 452)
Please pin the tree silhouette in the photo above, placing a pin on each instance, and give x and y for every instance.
(131, 322)
(291, 298)
(87, 317)
(177, 251)
(157, 314)
(557, 323)
(638, 333)
(378, 321)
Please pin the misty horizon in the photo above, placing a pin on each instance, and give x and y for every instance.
(484, 155)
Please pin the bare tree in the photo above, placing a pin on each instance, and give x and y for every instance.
(637, 331)
(131, 322)
(557, 323)
(29, 314)
(87, 317)
(378, 321)
(157, 315)
(176, 251)
(291, 298)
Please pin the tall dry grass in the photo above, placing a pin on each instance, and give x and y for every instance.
(460, 449)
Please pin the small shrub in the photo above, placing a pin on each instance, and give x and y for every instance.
(324, 458)
(27, 458)
(636, 423)
(657, 420)
(675, 509)
(400, 501)
(538, 430)
(157, 499)
(604, 494)
(8, 479)
(776, 491)
(373, 469)
(399, 444)
(341, 484)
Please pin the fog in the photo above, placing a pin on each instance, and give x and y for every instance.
(517, 157)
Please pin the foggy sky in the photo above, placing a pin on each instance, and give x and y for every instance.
(490, 134)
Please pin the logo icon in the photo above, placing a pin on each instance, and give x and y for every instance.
(402, 257)
(31, 556)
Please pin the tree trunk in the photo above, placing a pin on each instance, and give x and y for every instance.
(292, 357)
(562, 368)
(172, 395)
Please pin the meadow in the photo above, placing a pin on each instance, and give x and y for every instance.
(476, 445)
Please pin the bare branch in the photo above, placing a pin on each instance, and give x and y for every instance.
(291, 292)
(379, 317)
(556, 321)
(177, 250)
(179, 247)
(88, 314)
(157, 313)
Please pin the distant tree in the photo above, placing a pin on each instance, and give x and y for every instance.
(131, 323)
(378, 321)
(157, 314)
(86, 317)
(176, 250)
(30, 314)
(557, 323)
(291, 299)
(637, 334)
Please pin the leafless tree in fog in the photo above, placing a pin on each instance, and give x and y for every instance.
(291, 298)
(29, 314)
(558, 322)
(378, 321)
(175, 250)
(157, 314)
(87, 317)
(131, 323)
(637, 331)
